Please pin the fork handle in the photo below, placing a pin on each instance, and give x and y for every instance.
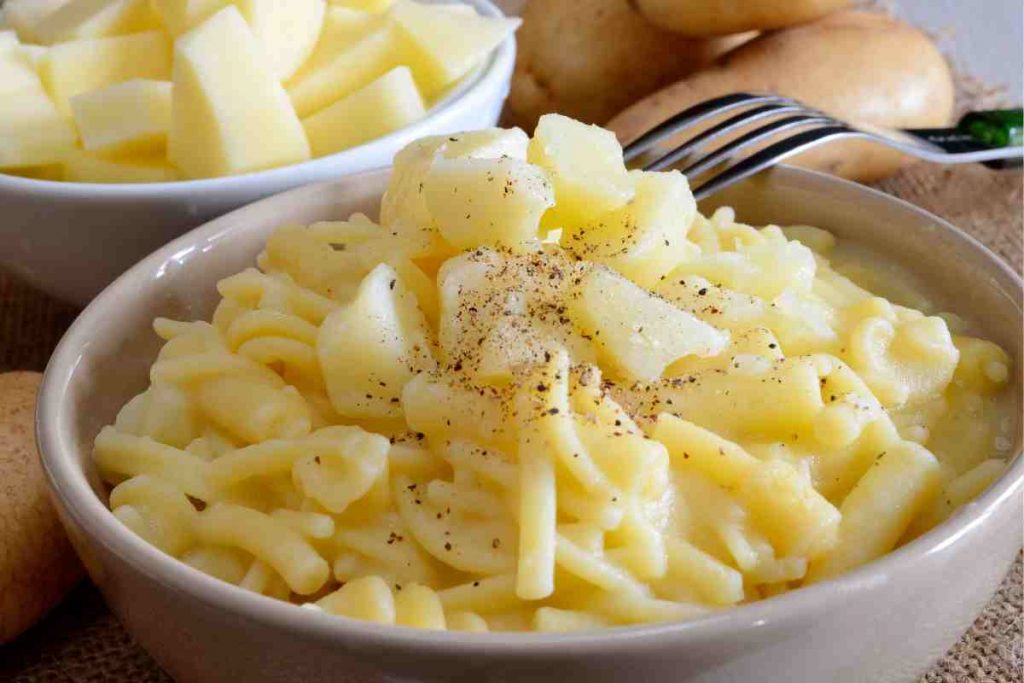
(977, 130)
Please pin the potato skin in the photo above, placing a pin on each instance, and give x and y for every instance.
(37, 564)
(857, 66)
(703, 18)
(590, 58)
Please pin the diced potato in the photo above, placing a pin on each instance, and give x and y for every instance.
(34, 54)
(586, 167)
(491, 202)
(80, 66)
(8, 40)
(370, 347)
(126, 118)
(444, 46)
(86, 167)
(95, 19)
(24, 15)
(646, 238)
(230, 114)
(376, 6)
(346, 72)
(403, 208)
(342, 28)
(32, 131)
(387, 104)
(181, 15)
(638, 333)
(287, 31)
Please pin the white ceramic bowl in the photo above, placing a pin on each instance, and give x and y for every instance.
(883, 622)
(72, 239)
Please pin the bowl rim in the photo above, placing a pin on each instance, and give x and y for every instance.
(498, 67)
(68, 484)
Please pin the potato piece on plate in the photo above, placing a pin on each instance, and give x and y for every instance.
(32, 131)
(24, 15)
(586, 168)
(94, 19)
(370, 347)
(385, 105)
(129, 117)
(79, 66)
(646, 238)
(638, 333)
(230, 114)
(287, 31)
(376, 6)
(181, 15)
(86, 167)
(403, 208)
(590, 58)
(867, 68)
(477, 202)
(342, 28)
(366, 60)
(443, 46)
(700, 18)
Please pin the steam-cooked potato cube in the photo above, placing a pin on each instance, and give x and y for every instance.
(80, 66)
(181, 15)
(371, 346)
(287, 32)
(646, 238)
(24, 15)
(230, 114)
(376, 6)
(387, 104)
(403, 209)
(94, 19)
(87, 167)
(638, 333)
(32, 131)
(344, 73)
(479, 202)
(444, 46)
(342, 28)
(586, 168)
(129, 117)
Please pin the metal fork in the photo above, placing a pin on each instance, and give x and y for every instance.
(995, 138)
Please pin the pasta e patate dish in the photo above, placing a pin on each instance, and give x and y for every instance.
(545, 393)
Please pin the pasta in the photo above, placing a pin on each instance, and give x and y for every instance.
(558, 421)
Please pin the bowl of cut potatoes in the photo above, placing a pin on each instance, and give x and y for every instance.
(510, 411)
(125, 123)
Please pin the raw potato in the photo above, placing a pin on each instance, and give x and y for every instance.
(857, 66)
(37, 565)
(590, 58)
(702, 18)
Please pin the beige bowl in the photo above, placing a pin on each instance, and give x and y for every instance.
(886, 621)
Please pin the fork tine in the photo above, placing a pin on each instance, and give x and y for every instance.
(772, 155)
(696, 114)
(753, 137)
(729, 125)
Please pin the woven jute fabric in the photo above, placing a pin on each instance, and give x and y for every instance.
(82, 641)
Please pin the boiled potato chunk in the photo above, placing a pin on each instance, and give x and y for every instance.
(370, 347)
(94, 19)
(586, 168)
(80, 66)
(351, 69)
(445, 46)
(287, 31)
(403, 208)
(230, 113)
(375, 6)
(129, 117)
(16, 73)
(86, 167)
(636, 332)
(385, 105)
(181, 15)
(490, 202)
(32, 131)
(646, 238)
(24, 15)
